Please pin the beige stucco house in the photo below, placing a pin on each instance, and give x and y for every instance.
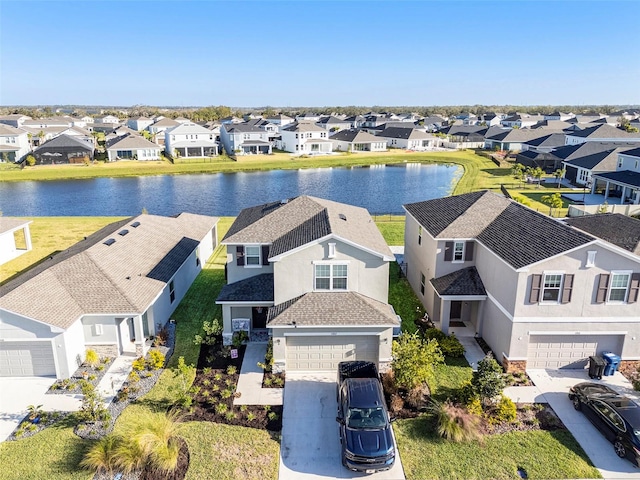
(110, 292)
(541, 293)
(313, 273)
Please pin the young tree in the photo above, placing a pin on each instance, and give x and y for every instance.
(518, 171)
(559, 174)
(554, 201)
(488, 382)
(413, 360)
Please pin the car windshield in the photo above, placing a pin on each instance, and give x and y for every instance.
(366, 418)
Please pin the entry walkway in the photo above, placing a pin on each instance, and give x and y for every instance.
(115, 377)
(250, 380)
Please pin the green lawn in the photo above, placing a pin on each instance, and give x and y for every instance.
(542, 454)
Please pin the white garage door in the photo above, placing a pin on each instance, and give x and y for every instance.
(569, 351)
(26, 359)
(324, 353)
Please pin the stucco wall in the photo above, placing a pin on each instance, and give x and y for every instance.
(236, 272)
(13, 326)
(109, 329)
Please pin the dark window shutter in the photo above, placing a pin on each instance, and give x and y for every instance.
(603, 286)
(448, 251)
(468, 251)
(567, 288)
(635, 287)
(239, 255)
(536, 284)
(265, 254)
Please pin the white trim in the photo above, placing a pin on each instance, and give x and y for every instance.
(264, 303)
(576, 333)
(504, 311)
(333, 334)
(310, 327)
(456, 298)
(566, 252)
(102, 343)
(629, 274)
(560, 287)
(54, 328)
(26, 340)
(561, 319)
(331, 262)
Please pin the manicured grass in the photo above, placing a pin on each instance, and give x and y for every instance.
(53, 453)
(542, 454)
(391, 227)
(50, 235)
(454, 374)
(402, 298)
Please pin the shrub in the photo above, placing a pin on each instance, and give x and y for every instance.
(456, 424)
(488, 380)
(206, 371)
(102, 456)
(217, 377)
(100, 368)
(230, 415)
(134, 377)
(30, 160)
(221, 408)
(389, 382)
(267, 382)
(91, 358)
(209, 334)
(239, 338)
(414, 360)
(451, 347)
(139, 364)
(474, 406)
(251, 416)
(272, 416)
(232, 370)
(183, 373)
(505, 411)
(418, 397)
(92, 409)
(156, 359)
(243, 408)
(226, 393)
(162, 335)
(206, 382)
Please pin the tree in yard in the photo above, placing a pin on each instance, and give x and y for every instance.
(553, 200)
(413, 360)
(488, 381)
(40, 137)
(518, 171)
(183, 375)
(559, 174)
(30, 137)
(535, 173)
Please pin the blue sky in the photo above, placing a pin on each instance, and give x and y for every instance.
(319, 53)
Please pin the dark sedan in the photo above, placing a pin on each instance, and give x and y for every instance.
(616, 416)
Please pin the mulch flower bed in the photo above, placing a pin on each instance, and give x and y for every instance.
(273, 380)
(215, 389)
(84, 372)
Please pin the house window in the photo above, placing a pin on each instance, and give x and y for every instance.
(172, 292)
(422, 282)
(619, 286)
(419, 234)
(458, 251)
(252, 256)
(551, 287)
(331, 277)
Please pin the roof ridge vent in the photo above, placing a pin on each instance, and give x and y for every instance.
(110, 241)
(135, 224)
(122, 233)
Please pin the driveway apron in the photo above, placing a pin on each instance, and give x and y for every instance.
(310, 446)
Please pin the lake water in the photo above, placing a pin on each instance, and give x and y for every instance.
(380, 189)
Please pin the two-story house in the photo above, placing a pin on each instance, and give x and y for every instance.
(542, 294)
(314, 273)
(14, 143)
(601, 133)
(190, 140)
(305, 138)
(244, 139)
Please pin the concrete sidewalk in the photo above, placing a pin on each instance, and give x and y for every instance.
(250, 380)
(115, 377)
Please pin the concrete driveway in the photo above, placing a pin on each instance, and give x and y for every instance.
(17, 393)
(310, 446)
(554, 385)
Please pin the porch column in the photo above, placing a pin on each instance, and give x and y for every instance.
(606, 190)
(593, 185)
(27, 237)
(202, 151)
(624, 192)
(139, 335)
(479, 319)
(445, 314)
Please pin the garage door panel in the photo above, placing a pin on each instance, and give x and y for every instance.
(24, 359)
(569, 351)
(323, 353)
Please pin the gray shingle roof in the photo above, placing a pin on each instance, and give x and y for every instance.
(627, 177)
(64, 140)
(7, 224)
(516, 234)
(604, 131)
(604, 160)
(355, 136)
(304, 219)
(551, 140)
(614, 228)
(409, 133)
(465, 281)
(317, 309)
(93, 278)
(254, 289)
(303, 127)
(132, 141)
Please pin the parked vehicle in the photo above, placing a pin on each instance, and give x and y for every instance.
(616, 416)
(365, 425)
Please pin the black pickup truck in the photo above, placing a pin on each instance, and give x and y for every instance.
(365, 428)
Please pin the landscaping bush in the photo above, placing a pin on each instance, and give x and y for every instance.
(414, 360)
(210, 332)
(455, 423)
(505, 411)
(92, 409)
(488, 381)
(418, 397)
(449, 345)
(91, 358)
(102, 456)
(139, 364)
(156, 360)
(397, 403)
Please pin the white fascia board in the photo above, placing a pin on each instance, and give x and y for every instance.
(336, 334)
(262, 303)
(462, 297)
(330, 237)
(576, 332)
(312, 327)
(582, 320)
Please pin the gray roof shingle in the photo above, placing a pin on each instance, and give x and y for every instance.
(316, 309)
(465, 281)
(614, 228)
(253, 289)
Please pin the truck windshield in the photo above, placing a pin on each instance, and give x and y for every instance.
(366, 418)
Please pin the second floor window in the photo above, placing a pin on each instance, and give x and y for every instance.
(551, 287)
(619, 287)
(252, 255)
(458, 251)
(330, 277)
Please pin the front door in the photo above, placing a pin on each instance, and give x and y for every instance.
(456, 310)
(259, 317)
